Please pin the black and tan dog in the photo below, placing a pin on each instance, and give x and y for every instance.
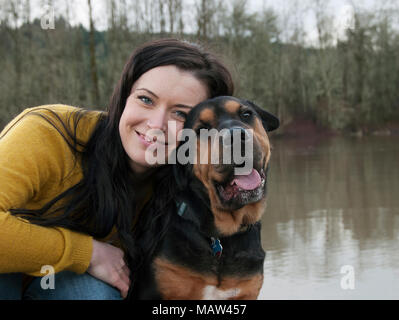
(212, 249)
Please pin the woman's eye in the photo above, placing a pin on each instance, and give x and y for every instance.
(181, 114)
(145, 99)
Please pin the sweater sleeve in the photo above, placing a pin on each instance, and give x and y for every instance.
(32, 158)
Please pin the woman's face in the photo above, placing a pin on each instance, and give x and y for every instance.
(155, 112)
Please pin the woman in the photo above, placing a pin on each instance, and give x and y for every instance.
(73, 182)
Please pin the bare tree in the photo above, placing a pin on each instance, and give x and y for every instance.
(175, 14)
(93, 63)
(325, 61)
(204, 16)
(161, 15)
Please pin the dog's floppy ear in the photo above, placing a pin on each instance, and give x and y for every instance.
(269, 121)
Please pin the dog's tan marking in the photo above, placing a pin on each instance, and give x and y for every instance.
(229, 222)
(232, 106)
(177, 282)
(261, 136)
(208, 116)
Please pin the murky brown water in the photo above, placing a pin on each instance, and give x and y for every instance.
(331, 203)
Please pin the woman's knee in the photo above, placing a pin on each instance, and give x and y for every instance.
(71, 286)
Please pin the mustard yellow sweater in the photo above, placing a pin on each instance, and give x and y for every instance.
(36, 165)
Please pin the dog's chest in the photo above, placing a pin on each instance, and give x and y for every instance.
(178, 282)
(187, 269)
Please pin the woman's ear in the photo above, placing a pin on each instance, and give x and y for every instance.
(269, 121)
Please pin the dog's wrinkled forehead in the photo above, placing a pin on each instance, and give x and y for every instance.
(210, 113)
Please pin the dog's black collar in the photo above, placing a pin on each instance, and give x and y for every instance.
(184, 211)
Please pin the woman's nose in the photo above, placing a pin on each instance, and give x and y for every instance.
(158, 121)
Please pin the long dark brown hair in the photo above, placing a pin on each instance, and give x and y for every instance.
(105, 197)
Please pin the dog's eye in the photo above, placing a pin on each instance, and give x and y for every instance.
(246, 114)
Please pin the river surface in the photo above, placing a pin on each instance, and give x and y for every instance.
(331, 227)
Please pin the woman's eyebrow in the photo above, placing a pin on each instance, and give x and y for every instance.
(149, 91)
(183, 106)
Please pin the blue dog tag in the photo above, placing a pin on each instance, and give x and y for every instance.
(216, 247)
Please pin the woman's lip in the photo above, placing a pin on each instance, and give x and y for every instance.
(148, 139)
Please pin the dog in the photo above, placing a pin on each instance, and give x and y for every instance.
(212, 247)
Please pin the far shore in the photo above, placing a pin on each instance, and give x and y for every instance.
(306, 128)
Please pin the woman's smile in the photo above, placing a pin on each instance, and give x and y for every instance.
(147, 141)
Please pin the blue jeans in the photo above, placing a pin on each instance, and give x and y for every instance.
(67, 286)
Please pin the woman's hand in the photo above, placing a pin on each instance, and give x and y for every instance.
(108, 265)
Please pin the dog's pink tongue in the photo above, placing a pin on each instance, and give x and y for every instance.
(247, 182)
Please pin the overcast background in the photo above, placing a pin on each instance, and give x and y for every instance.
(332, 61)
(292, 13)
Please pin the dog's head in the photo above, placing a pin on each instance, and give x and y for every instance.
(230, 160)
